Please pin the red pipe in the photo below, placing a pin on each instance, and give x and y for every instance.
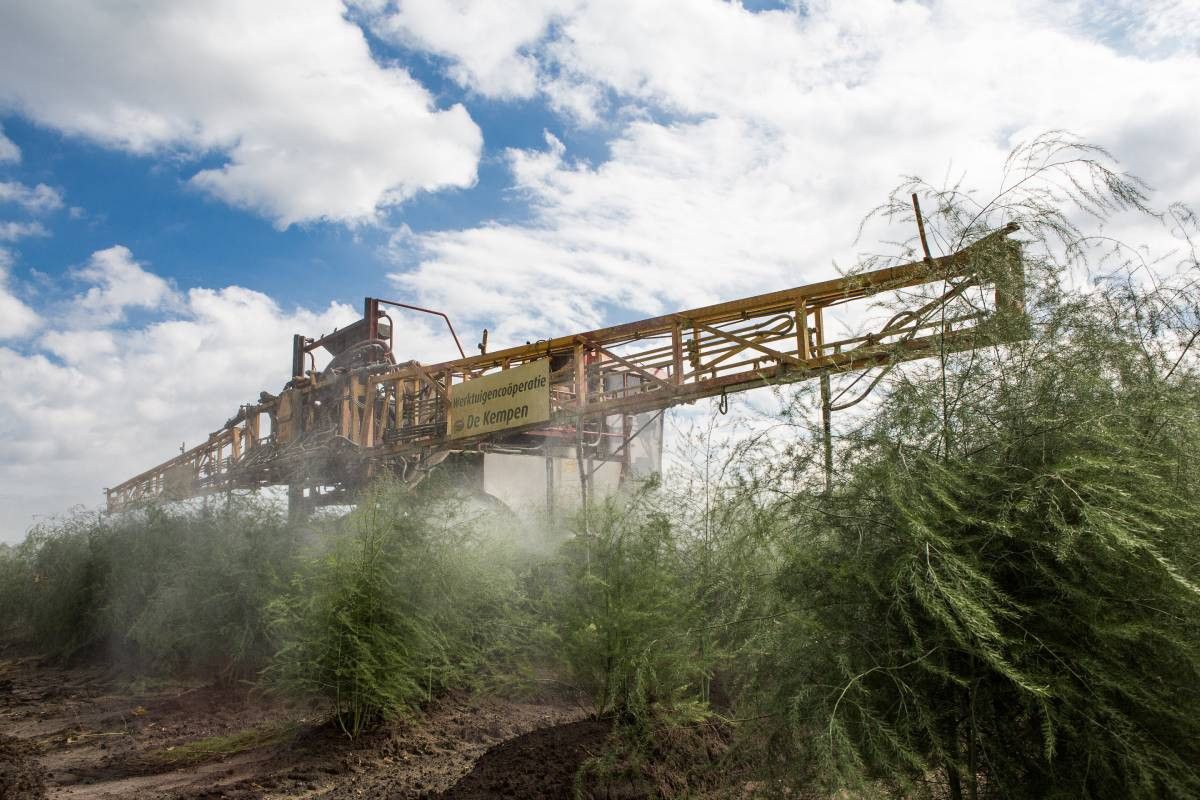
(429, 311)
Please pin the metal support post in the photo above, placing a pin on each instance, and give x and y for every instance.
(297, 355)
(295, 495)
(584, 477)
(549, 484)
(827, 431)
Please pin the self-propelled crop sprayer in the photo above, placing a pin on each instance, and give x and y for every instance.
(567, 416)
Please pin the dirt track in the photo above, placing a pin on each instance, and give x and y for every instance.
(87, 736)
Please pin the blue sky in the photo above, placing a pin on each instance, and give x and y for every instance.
(184, 185)
(191, 238)
(144, 202)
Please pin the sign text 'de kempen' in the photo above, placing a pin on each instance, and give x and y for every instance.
(510, 398)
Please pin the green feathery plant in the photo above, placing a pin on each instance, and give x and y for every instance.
(156, 590)
(408, 600)
(621, 612)
(1000, 597)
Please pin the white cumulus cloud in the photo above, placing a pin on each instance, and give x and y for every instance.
(12, 231)
(484, 39)
(34, 199)
(16, 318)
(1157, 26)
(119, 282)
(8, 149)
(310, 125)
(749, 145)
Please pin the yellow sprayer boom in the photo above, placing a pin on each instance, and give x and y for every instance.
(582, 398)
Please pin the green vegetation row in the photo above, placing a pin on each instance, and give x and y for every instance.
(997, 595)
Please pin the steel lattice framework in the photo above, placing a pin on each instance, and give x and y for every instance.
(330, 431)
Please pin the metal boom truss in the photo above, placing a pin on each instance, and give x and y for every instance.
(331, 430)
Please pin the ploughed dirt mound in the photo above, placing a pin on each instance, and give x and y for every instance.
(21, 776)
(420, 758)
(592, 760)
(542, 764)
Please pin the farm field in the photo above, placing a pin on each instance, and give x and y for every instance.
(76, 734)
(982, 581)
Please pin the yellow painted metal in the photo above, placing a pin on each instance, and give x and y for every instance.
(511, 398)
(403, 413)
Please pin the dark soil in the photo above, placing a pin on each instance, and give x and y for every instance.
(21, 776)
(87, 733)
(540, 764)
(418, 760)
(84, 732)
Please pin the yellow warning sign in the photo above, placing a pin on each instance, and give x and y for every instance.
(510, 398)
